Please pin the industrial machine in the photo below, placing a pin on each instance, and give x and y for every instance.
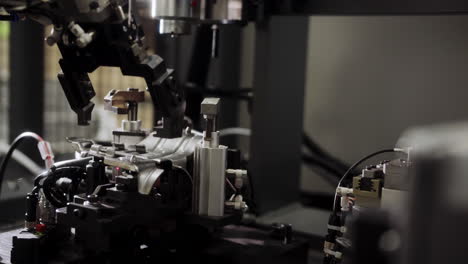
(168, 194)
(173, 194)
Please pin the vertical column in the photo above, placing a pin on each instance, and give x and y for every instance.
(277, 123)
(26, 88)
(228, 68)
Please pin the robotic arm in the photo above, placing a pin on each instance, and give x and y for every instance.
(94, 33)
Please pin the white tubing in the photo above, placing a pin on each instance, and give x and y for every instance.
(235, 131)
(232, 131)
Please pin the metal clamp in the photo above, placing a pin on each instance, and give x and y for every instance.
(124, 102)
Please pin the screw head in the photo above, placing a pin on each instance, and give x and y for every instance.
(79, 213)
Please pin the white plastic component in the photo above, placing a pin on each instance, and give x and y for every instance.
(344, 203)
(46, 153)
(240, 175)
(342, 229)
(342, 191)
(75, 29)
(336, 254)
(406, 150)
(237, 201)
(82, 38)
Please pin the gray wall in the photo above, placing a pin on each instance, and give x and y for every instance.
(369, 78)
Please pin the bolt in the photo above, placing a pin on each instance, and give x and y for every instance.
(79, 213)
(283, 232)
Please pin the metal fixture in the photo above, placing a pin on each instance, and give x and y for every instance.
(210, 166)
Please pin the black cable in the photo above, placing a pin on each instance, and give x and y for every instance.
(315, 148)
(47, 179)
(52, 192)
(312, 145)
(82, 162)
(319, 162)
(12, 148)
(318, 157)
(331, 175)
(355, 165)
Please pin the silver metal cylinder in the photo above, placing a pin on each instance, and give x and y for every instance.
(221, 11)
(161, 9)
(191, 11)
(209, 180)
(174, 27)
(131, 126)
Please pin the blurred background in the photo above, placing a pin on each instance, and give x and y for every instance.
(368, 79)
(371, 78)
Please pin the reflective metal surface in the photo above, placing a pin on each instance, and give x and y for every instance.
(198, 11)
(174, 27)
